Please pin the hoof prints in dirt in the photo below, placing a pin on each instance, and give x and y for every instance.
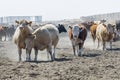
(93, 65)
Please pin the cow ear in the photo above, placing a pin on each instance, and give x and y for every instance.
(113, 25)
(80, 29)
(29, 23)
(16, 21)
(34, 37)
(58, 24)
(70, 27)
(31, 36)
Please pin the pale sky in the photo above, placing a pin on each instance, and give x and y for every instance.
(57, 9)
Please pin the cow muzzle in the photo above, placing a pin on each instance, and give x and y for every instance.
(75, 36)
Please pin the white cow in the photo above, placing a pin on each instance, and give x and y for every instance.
(45, 37)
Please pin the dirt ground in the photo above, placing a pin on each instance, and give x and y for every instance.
(95, 64)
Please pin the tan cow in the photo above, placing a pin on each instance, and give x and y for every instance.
(105, 33)
(21, 33)
(45, 37)
(93, 28)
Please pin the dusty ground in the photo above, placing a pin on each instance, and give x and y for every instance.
(94, 65)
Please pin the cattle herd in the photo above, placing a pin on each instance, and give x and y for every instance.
(38, 37)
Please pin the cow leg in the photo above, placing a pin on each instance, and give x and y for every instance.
(36, 53)
(80, 49)
(20, 52)
(74, 50)
(5, 36)
(28, 53)
(98, 43)
(54, 52)
(104, 45)
(80, 52)
(54, 47)
(52, 58)
(77, 50)
(49, 50)
(93, 36)
(111, 44)
(73, 46)
(30, 56)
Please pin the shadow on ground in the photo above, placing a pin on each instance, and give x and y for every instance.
(56, 59)
(91, 55)
(115, 49)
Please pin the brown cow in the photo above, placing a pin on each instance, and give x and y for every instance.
(93, 31)
(77, 35)
(21, 33)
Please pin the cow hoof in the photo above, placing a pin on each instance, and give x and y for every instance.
(35, 60)
(80, 55)
(27, 60)
(75, 55)
(20, 60)
(52, 60)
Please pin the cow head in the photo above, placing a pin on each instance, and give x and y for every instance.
(24, 27)
(87, 24)
(110, 28)
(75, 31)
(23, 23)
(90, 23)
(61, 28)
(29, 41)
